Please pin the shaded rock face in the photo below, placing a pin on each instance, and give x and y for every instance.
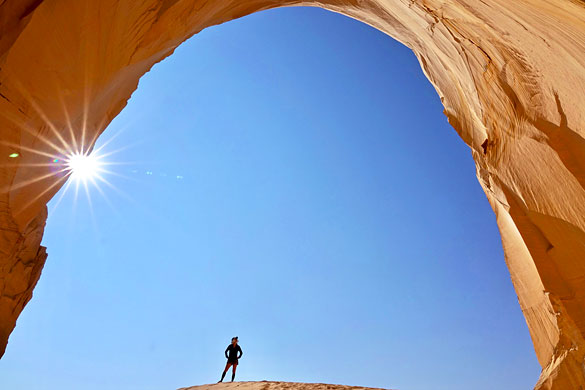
(511, 75)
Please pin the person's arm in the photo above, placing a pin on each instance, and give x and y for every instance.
(226, 351)
(240, 350)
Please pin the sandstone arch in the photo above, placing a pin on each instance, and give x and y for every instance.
(511, 75)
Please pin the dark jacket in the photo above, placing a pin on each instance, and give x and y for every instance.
(233, 357)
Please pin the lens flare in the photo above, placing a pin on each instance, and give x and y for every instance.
(62, 159)
(84, 167)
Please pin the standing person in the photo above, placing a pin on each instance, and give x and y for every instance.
(231, 353)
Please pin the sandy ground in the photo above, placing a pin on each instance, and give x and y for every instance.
(269, 385)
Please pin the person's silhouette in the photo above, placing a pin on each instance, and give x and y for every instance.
(231, 353)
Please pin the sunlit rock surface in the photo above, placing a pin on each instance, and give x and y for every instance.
(511, 75)
(267, 385)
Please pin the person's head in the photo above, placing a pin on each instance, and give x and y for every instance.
(234, 340)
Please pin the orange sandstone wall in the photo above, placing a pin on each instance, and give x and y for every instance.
(511, 75)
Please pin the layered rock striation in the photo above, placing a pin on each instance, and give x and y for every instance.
(511, 75)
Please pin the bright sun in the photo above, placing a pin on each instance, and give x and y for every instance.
(84, 167)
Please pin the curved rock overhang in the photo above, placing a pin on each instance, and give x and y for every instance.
(510, 74)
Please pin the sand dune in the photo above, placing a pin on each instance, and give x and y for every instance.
(270, 385)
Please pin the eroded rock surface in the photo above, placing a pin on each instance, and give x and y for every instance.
(511, 75)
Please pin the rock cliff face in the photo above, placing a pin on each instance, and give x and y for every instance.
(511, 75)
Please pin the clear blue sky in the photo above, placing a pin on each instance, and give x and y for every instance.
(327, 214)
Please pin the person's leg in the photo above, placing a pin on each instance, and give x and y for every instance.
(234, 371)
(227, 367)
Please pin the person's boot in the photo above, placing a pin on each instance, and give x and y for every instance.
(222, 376)
(233, 376)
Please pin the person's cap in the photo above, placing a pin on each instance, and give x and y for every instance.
(235, 338)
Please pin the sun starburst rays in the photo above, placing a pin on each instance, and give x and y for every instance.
(68, 162)
(84, 167)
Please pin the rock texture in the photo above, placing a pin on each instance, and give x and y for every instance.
(511, 75)
(266, 385)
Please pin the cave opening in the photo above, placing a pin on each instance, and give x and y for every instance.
(302, 159)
